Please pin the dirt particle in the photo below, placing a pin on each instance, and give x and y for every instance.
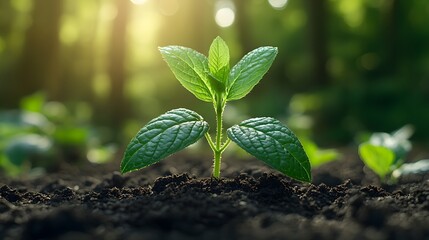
(10, 194)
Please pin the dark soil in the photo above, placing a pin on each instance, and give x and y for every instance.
(251, 201)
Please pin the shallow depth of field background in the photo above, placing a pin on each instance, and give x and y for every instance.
(344, 67)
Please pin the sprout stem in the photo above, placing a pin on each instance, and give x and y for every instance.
(217, 145)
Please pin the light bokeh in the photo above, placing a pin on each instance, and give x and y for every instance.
(225, 17)
(278, 4)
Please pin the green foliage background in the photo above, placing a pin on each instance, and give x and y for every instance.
(343, 66)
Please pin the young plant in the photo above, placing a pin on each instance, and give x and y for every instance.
(211, 80)
(316, 155)
(34, 137)
(385, 153)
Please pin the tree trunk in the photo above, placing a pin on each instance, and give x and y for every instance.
(390, 14)
(38, 67)
(117, 57)
(317, 35)
(243, 23)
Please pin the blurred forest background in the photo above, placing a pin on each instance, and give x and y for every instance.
(343, 68)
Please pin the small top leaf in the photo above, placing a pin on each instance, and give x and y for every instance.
(219, 59)
(249, 71)
(217, 85)
(163, 136)
(275, 144)
(189, 67)
(377, 158)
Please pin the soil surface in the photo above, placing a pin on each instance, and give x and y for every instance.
(177, 199)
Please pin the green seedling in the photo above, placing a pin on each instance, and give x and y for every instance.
(318, 156)
(38, 134)
(385, 153)
(211, 80)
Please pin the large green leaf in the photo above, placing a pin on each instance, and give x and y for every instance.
(378, 158)
(163, 136)
(219, 59)
(273, 143)
(190, 68)
(249, 71)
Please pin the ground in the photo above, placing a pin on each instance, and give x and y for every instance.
(177, 199)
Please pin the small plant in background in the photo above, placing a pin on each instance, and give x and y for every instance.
(316, 155)
(211, 80)
(385, 154)
(41, 134)
(299, 119)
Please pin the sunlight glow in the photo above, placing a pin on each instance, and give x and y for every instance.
(278, 4)
(168, 7)
(101, 85)
(353, 12)
(225, 17)
(138, 2)
(69, 32)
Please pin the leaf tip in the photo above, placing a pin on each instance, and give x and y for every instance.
(274, 49)
(162, 49)
(123, 168)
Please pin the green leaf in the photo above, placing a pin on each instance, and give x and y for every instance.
(419, 167)
(163, 136)
(189, 67)
(27, 147)
(24, 119)
(217, 86)
(33, 103)
(318, 156)
(378, 158)
(219, 59)
(400, 145)
(273, 143)
(71, 135)
(249, 71)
